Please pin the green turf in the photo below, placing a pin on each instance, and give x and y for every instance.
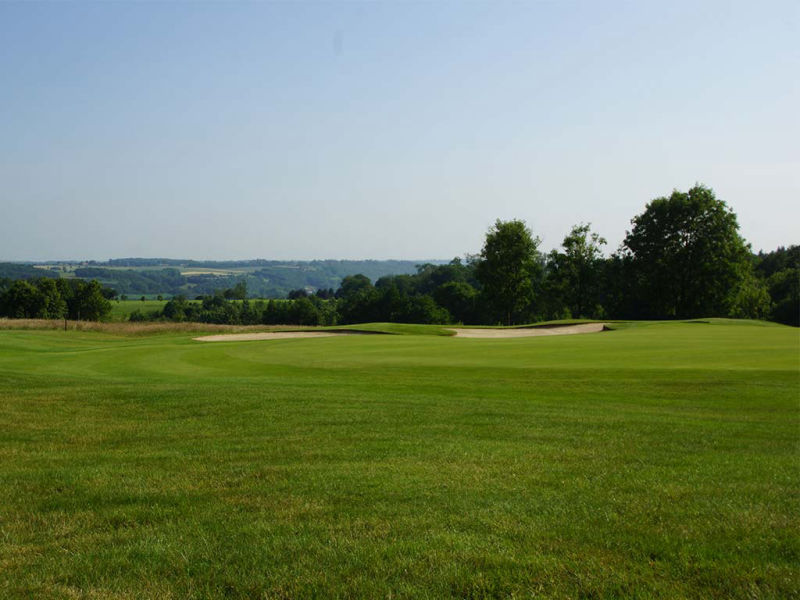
(652, 461)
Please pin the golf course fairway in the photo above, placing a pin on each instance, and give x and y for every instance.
(655, 460)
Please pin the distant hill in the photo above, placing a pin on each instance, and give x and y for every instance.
(25, 271)
(168, 277)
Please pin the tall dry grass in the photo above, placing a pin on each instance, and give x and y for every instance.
(142, 328)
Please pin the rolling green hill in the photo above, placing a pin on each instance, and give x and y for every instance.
(656, 460)
(168, 277)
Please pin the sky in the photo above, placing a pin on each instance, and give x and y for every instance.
(402, 130)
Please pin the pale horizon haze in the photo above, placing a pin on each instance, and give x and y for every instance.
(385, 130)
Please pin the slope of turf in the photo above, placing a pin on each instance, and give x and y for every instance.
(655, 460)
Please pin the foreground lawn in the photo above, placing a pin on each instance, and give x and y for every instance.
(656, 460)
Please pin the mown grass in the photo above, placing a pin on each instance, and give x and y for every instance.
(656, 461)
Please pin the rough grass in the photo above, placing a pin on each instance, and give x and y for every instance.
(656, 461)
(141, 328)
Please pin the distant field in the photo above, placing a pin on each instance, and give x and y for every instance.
(121, 309)
(658, 460)
(207, 272)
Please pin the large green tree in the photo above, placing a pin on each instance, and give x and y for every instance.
(508, 268)
(687, 255)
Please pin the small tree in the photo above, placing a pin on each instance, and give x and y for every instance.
(458, 298)
(175, 309)
(90, 304)
(303, 312)
(784, 288)
(55, 307)
(21, 301)
(352, 285)
(751, 300)
(240, 290)
(575, 273)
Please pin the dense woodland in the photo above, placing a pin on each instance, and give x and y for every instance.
(47, 298)
(682, 258)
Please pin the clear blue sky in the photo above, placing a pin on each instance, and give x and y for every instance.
(392, 130)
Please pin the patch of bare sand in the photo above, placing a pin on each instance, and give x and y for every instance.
(269, 335)
(530, 331)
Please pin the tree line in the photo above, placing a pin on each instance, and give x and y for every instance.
(48, 298)
(682, 258)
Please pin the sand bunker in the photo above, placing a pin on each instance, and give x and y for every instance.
(460, 332)
(530, 331)
(269, 335)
